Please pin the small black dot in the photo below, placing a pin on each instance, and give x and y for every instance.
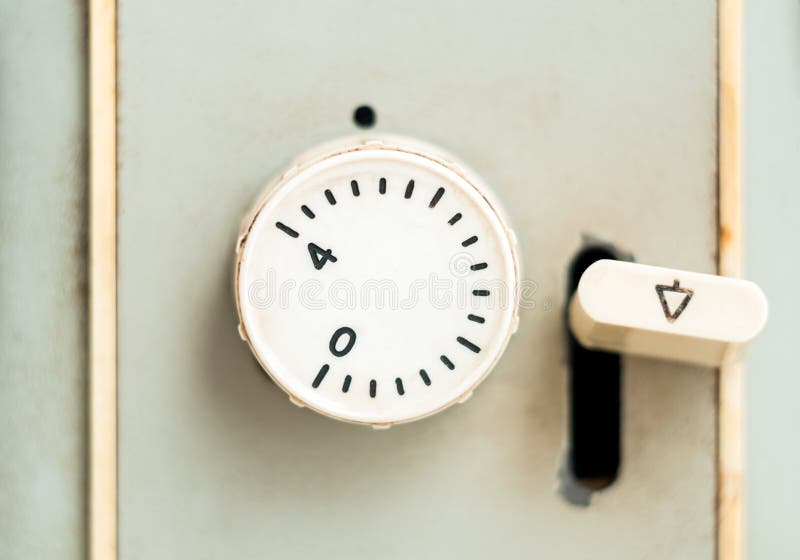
(364, 116)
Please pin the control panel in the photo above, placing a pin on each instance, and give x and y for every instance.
(418, 280)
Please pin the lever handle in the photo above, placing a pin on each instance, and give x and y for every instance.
(665, 313)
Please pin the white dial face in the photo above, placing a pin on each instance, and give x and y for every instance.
(377, 284)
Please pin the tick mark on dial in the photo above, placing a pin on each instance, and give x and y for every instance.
(346, 384)
(436, 197)
(470, 241)
(320, 376)
(354, 187)
(307, 211)
(329, 196)
(409, 189)
(476, 318)
(467, 344)
(373, 388)
(399, 383)
(478, 266)
(480, 292)
(424, 375)
(454, 219)
(382, 185)
(446, 361)
(286, 229)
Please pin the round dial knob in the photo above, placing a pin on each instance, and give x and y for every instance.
(376, 281)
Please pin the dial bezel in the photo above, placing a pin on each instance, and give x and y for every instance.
(411, 150)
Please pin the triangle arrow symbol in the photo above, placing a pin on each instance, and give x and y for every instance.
(663, 290)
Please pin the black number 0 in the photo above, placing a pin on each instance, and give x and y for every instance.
(351, 340)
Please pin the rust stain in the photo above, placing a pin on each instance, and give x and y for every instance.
(726, 238)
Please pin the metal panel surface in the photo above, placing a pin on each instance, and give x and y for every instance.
(771, 200)
(587, 119)
(42, 280)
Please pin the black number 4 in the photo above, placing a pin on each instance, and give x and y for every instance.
(320, 256)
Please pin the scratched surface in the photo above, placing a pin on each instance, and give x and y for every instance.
(587, 118)
(42, 280)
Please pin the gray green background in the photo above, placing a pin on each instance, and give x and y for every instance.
(772, 230)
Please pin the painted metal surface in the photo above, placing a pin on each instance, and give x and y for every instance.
(42, 280)
(771, 201)
(587, 119)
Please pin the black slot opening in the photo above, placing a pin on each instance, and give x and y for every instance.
(594, 398)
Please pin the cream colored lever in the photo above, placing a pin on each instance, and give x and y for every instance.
(664, 313)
